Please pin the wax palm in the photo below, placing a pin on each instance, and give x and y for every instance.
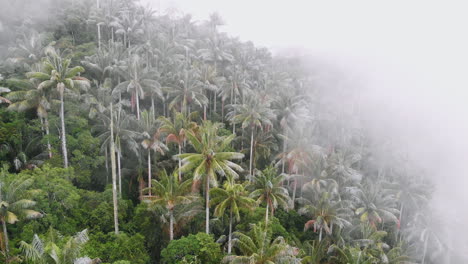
(267, 188)
(169, 193)
(175, 131)
(56, 72)
(187, 90)
(14, 203)
(259, 247)
(374, 205)
(210, 159)
(232, 197)
(315, 251)
(151, 139)
(253, 114)
(54, 249)
(30, 97)
(138, 79)
(324, 214)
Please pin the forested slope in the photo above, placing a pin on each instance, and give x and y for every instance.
(127, 137)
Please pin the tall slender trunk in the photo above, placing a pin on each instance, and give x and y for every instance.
(423, 261)
(320, 234)
(107, 165)
(204, 112)
(230, 233)
(294, 192)
(99, 35)
(63, 136)
(284, 148)
(234, 124)
(137, 99)
(222, 110)
(207, 210)
(171, 225)
(5, 237)
(251, 153)
(46, 126)
(214, 99)
(119, 170)
(153, 107)
(180, 162)
(266, 213)
(114, 178)
(149, 171)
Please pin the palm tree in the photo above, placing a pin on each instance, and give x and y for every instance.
(138, 79)
(324, 214)
(267, 188)
(151, 140)
(14, 203)
(54, 249)
(351, 255)
(210, 160)
(374, 205)
(315, 251)
(187, 90)
(258, 247)
(176, 131)
(232, 197)
(57, 73)
(253, 114)
(169, 193)
(30, 98)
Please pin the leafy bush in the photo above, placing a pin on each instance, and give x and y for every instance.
(199, 248)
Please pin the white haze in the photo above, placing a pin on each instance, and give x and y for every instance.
(409, 58)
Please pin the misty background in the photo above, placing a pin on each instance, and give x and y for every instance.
(406, 62)
(403, 63)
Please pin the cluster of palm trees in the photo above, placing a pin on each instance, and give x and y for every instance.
(156, 82)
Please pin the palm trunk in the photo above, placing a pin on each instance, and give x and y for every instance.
(171, 225)
(119, 173)
(266, 214)
(424, 251)
(5, 237)
(149, 172)
(137, 99)
(64, 138)
(46, 126)
(320, 234)
(234, 124)
(230, 233)
(99, 36)
(214, 99)
(180, 163)
(251, 153)
(207, 213)
(222, 110)
(114, 178)
(107, 165)
(204, 112)
(294, 192)
(284, 149)
(153, 107)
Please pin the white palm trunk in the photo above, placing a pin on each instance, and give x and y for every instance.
(251, 154)
(207, 210)
(180, 162)
(119, 170)
(61, 88)
(149, 171)
(114, 176)
(230, 233)
(171, 225)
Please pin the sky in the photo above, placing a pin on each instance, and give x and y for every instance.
(411, 57)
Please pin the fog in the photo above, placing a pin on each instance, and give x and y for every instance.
(407, 61)
(408, 58)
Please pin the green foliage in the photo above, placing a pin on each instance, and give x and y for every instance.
(199, 248)
(122, 247)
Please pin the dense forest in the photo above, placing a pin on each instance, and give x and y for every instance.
(127, 136)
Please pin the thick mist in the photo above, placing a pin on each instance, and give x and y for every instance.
(402, 66)
(405, 65)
